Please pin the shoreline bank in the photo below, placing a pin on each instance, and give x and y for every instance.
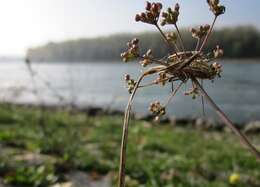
(200, 123)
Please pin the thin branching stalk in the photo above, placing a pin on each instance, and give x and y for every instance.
(180, 36)
(159, 62)
(176, 49)
(32, 75)
(227, 121)
(173, 94)
(126, 124)
(125, 136)
(170, 79)
(208, 34)
(197, 45)
(202, 100)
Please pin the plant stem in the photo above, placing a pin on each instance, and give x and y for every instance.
(243, 139)
(179, 34)
(202, 100)
(173, 94)
(155, 61)
(198, 44)
(125, 135)
(167, 41)
(125, 127)
(208, 34)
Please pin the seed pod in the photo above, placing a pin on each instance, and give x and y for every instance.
(135, 41)
(150, 16)
(143, 17)
(207, 26)
(127, 77)
(137, 18)
(148, 5)
(163, 22)
(159, 5)
(154, 8)
(177, 7)
(218, 52)
(164, 14)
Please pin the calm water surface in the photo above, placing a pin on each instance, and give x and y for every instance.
(101, 84)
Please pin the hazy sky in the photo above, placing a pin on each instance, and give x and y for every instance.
(26, 23)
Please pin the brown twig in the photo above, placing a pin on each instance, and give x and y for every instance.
(208, 34)
(197, 45)
(173, 94)
(176, 49)
(243, 139)
(155, 61)
(202, 100)
(126, 124)
(179, 34)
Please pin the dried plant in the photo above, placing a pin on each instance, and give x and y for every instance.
(35, 76)
(180, 66)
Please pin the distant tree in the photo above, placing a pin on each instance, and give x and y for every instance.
(242, 44)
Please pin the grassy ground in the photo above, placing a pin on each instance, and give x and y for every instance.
(158, 155)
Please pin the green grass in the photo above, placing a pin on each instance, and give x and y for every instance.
(158, 155)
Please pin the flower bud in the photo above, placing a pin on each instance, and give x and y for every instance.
(127, 77)
(207, 27)
(154, 8)
(157, 109)
(164, 14)
(150, 16)
(159, 5)
(216, 8)
(218, 52)
(148, 5)
(145, 62)
(169, 10)
(137, 18)
(143, 17)
(177, 7)
(163, 22)
(135, 41)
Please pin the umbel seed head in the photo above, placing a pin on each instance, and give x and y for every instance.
(151, 15)
(171, 16)
(215, 7)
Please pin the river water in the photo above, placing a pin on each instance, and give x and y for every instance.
(102, 84)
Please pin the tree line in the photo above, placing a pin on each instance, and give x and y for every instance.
(237, 42)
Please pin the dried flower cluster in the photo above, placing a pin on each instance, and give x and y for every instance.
(130, 83)
(151, 15)
(201, 32)
(170, 16)
(216, 8)
(180, 66)
(132, 52)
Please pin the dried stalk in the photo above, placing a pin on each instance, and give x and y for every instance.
(208, 34)
(125, 127)
(227, 121)
(173, 94)
(181, 40)
(184, 66)
(176, 49)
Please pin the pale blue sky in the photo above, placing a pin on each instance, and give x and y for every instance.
(26, 23)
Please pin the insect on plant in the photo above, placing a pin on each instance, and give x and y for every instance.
(179, 67)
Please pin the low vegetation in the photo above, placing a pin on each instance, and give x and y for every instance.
(158, 155)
